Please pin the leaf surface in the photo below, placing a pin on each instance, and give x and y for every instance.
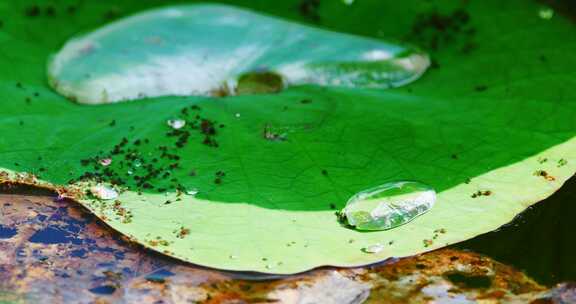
(497, 118)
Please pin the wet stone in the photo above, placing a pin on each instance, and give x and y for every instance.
(159, 276)
(103, 290)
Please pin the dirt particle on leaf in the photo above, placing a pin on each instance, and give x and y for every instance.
(480, 88)
(182, 232)
(441, 230)
(50, 11)
(111, 13)
(309, 9)
(32, 11)
(480, 193)
(435, 30)
(545, 175)
(221, 91)
(543, 58)
(207, 127)
(158, 242)
(71, 9)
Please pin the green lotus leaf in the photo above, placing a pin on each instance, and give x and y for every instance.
(252, 182)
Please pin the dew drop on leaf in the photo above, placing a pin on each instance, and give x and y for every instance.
(374, 248)
(389, 205)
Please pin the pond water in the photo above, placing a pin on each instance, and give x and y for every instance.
(539, 241)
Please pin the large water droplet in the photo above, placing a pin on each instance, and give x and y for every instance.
(213, 49)
(389, 205)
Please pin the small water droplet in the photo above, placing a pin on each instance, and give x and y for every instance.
(374, 248)
(137, 164)
(103, 192)
(237, 115)
(106, 162)
(546, 13)
(389, 205)
(233, 257)
(192, 191)
(176, 123)
(348, 2)
(130, 172)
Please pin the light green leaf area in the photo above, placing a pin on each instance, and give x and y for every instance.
(272, 211)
